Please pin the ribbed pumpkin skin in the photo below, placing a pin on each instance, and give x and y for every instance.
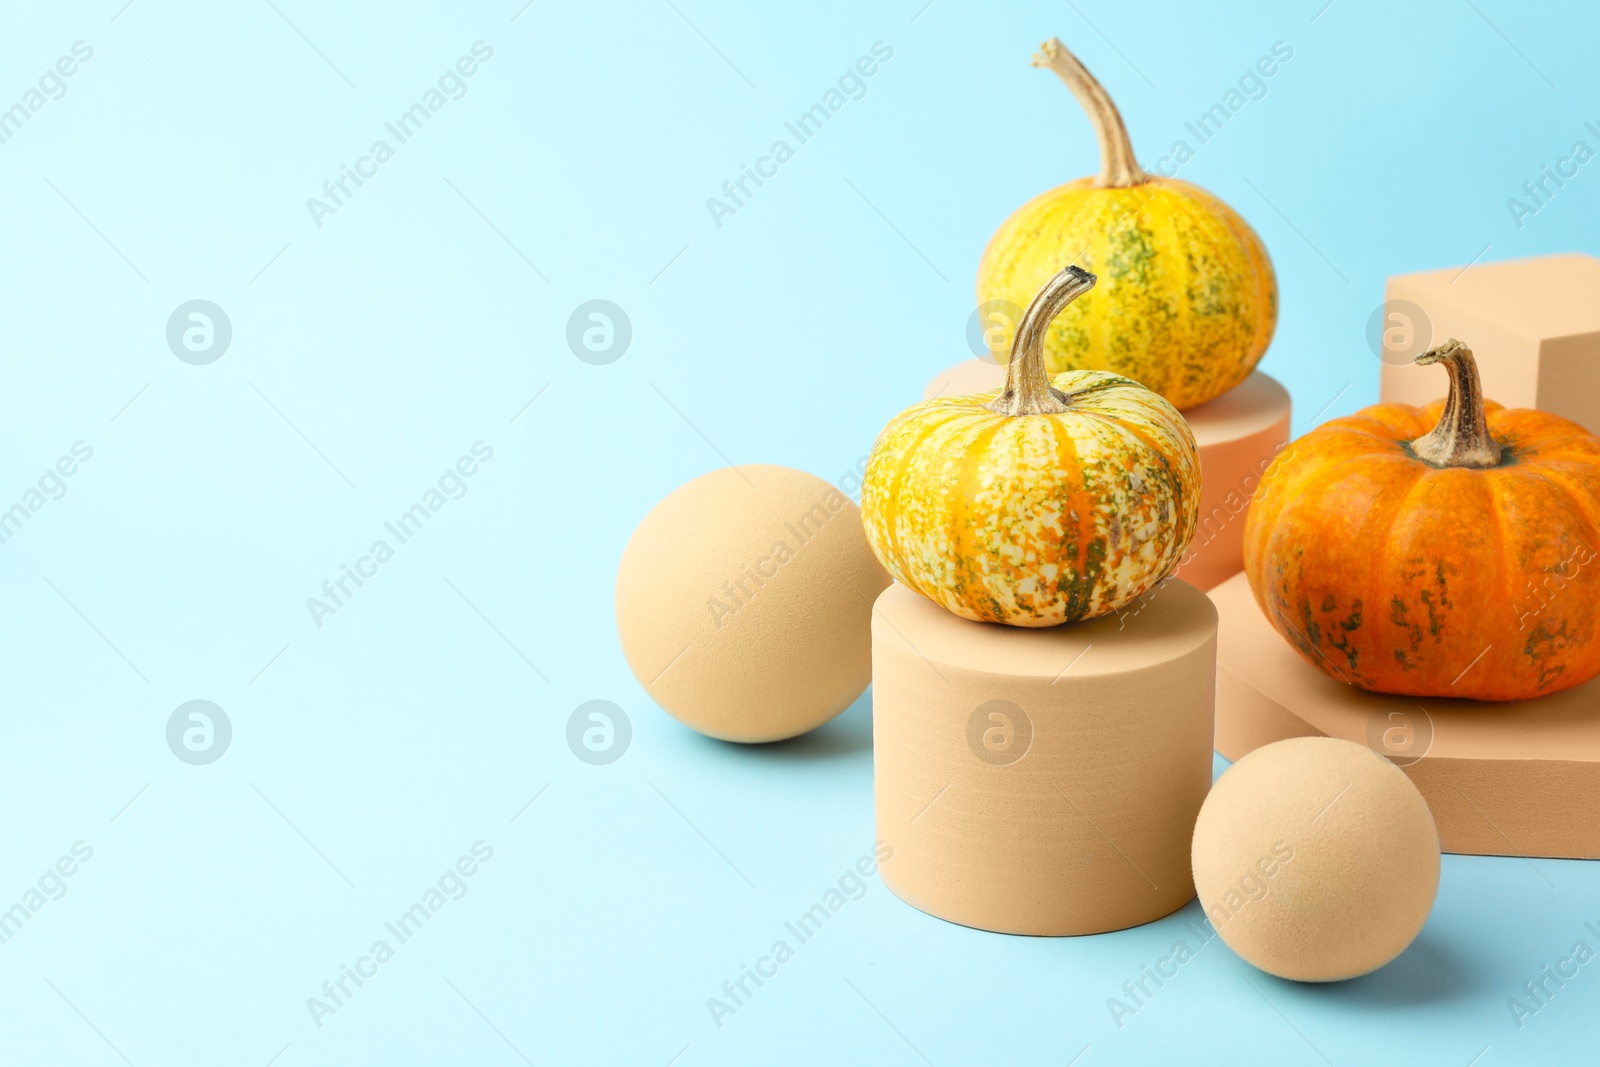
(1397, 576)
(1187, 299)
(1034, 520)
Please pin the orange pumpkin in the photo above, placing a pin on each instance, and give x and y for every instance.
(1452, 562)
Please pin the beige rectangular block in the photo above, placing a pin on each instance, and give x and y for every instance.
(1513, 779)
(1533, 324)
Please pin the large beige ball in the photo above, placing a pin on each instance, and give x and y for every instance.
(1316, 859)
(744, 603)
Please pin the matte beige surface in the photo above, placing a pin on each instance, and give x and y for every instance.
(1533, 324)
(965, 378)
(1238, 433)
(1514, 779)
(1073, 812)
(743, 602)
(1316, 859)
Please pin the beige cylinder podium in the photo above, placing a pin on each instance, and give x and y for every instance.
(977, 375)
(1238, 434)
(1043, 781)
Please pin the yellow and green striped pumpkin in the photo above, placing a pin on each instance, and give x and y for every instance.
(1043, 503)
(1187, 301)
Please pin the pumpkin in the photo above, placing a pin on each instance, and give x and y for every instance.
(1187, 300)
(1456, 561)
(1041, 503)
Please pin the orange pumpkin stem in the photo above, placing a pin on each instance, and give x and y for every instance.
(1462, 438)
(1118, 167)
(1028, 390)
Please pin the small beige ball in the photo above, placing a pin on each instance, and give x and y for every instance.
(744, 603)
(1316, 859)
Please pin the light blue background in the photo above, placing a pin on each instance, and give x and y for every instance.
(370, 353)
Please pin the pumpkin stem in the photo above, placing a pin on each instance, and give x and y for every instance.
(1462, 437)
(1028, 390)
(1118, 167)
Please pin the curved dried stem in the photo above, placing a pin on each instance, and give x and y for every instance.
(1118, 167)
(1462, 438)
(1028, 390)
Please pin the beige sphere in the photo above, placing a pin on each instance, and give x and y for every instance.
(1316, 859)
(744, 603)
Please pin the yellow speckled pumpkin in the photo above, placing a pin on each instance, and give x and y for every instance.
(1187, 300)
(1043, 503)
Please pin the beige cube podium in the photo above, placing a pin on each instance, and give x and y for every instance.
(1532, 324)
(1238, 434)
(1513, 779)
(1042, 781)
